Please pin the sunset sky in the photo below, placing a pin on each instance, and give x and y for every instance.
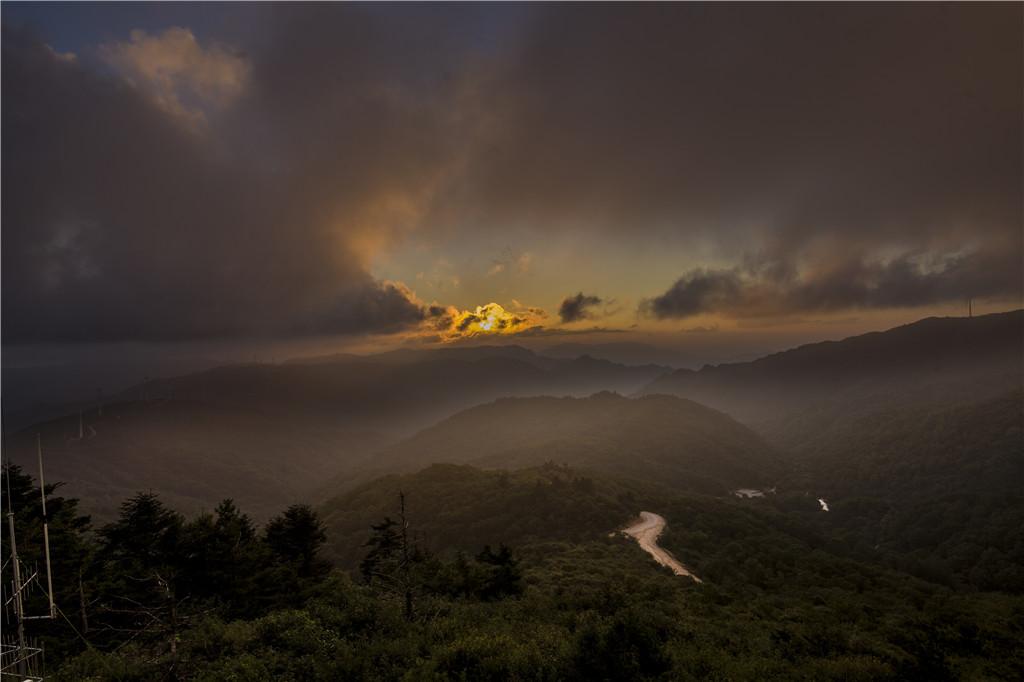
(372, 175)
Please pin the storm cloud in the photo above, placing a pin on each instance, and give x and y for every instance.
(871, 153)
(133, 211)
(713, 118)
(162, 186)
(847, 283)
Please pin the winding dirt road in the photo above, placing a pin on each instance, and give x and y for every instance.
(646, 533)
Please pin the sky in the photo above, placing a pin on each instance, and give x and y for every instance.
(181, 175)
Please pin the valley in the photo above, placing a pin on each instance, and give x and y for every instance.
(511, 341)
(521, 505)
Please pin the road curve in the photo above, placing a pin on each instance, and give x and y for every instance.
(646, 533)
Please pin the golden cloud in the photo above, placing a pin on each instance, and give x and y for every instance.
(490, 319)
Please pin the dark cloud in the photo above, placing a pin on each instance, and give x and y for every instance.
(378, 307)
(709, 117)
(785, 134)
(854, 155)
(132, 214)
(697, 292)
(843, 284)
(575, 308)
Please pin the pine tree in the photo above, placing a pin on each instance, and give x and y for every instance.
(394, 560)
(385, 547)
(141, 559)
(296, 537)
(502, 575)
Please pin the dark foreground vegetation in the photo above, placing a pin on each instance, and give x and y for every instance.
(155, 596)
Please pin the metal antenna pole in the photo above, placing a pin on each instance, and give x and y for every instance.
(46, 526)
(19, 612)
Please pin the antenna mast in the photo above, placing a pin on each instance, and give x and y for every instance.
(19, 612)
(46, 526)
(22, 658)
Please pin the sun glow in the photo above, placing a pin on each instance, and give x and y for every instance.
(491, 319)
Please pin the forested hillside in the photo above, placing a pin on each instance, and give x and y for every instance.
(155, 595)
(915, 436)
(936, 491)
(462, 507)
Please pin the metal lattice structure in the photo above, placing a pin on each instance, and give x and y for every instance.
(22, 658)
(22, 663)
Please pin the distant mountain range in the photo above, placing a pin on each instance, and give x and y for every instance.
(402, 391)
(659, 439)
(799, 395)
(268, 434)
(404, 356)
(625, 352)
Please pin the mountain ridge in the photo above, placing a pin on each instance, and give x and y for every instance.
(270, 422)
(929, 360)
(656, 438)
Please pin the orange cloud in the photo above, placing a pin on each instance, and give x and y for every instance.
(490, 319)
(180, 75)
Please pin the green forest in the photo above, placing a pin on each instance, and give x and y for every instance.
(395, 581)
(511, 341)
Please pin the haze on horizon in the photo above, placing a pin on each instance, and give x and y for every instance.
(318, 178)
(530, 341)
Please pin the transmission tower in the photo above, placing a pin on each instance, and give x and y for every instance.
(21, 658)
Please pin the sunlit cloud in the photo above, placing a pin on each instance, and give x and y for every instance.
(491, 319)
(180, 75)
